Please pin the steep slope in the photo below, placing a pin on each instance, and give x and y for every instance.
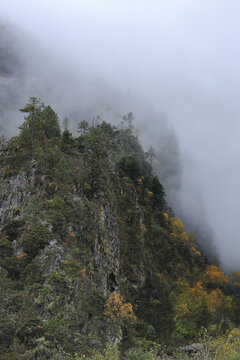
(27, 67)
(90, 252)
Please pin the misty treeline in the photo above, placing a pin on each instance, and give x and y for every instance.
(26, 68)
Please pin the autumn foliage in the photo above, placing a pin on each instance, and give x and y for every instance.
(22, 256)
(117, 308)
(214, 275)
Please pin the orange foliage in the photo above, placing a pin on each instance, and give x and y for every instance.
(22, 256)
(83, 273)
(117, 309)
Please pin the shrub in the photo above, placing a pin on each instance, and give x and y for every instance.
(139, 354)
(13, 229)
(7, 332)
(29, 328)
(110, 353)
(130, 167)
(11, 264)
(35, 240)
(5, 248)
(236, 356)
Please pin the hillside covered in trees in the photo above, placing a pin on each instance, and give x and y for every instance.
(92, 259)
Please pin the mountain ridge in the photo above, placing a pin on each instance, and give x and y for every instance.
(91, 253)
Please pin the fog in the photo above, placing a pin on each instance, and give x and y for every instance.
(174, 64)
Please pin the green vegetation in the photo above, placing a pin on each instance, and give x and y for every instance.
(93, 263)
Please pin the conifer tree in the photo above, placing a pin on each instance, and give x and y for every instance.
(29, 127)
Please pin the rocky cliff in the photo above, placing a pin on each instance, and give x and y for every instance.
(90, 253)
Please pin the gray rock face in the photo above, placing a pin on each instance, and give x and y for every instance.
(15, 193)
(95, 227)
(51, 258)
(107, 250)
(192, 347)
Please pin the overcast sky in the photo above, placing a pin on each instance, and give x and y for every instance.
(182, 56)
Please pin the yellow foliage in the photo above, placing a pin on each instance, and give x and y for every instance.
(234, 338)
(184, 237)
(225, 348)
(213, 274)
(198, 287)
(117, 309)
(178, 232)
(154, 301)
(162, 277)
(150, 193)
(214, 300)
(52, 184)
(195, 251)
(127, 184)
(187, 299)
(183, 299)
(177, 224)
(181, 284)
(181, 310)
(72, 234)
(228, 302)
(143, 228)
(165, 215)
(198, 293)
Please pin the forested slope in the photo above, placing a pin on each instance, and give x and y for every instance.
(90, 252)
